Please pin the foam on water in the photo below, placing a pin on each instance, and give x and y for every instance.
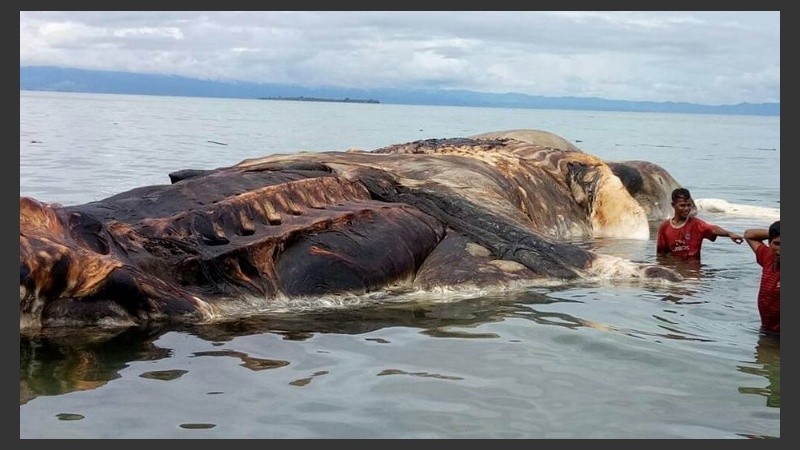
(605, 269)
(614, 268)
(232, 308)
(719, 206)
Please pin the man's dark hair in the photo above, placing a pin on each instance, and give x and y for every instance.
(774, 230)
(681, 193)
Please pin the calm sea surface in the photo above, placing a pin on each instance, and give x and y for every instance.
(591, 360)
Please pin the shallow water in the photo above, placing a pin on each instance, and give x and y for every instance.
(604, 359)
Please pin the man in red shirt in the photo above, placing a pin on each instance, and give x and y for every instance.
(682, 235)
(769, 258)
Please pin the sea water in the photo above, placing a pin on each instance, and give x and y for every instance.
(600, 359)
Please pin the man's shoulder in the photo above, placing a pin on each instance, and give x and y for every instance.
(698, 222)
(762, 250)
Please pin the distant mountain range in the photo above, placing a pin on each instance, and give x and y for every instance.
(43, 78)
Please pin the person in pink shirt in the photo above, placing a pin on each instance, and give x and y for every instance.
(768, 256)
(682, 235)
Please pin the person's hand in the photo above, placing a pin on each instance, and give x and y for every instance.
(737, 238)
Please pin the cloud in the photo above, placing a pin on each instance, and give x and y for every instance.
(700, 57)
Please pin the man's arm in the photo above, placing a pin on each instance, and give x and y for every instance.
(719, 231)
(756, 237)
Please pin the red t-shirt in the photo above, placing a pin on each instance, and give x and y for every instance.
(686, 241)
(769, 292)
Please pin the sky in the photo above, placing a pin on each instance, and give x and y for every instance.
(704, 57)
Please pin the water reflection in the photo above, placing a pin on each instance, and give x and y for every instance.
(768, 365)
(55, 363)
(698, 278)
(247, 360)
(687, 268)
(59, 363)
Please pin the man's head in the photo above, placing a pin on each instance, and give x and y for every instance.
(681, 193)
(682, 203)
(775, 230)
(774, 238)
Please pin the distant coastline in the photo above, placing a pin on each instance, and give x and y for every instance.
(60, 79)
(317, 99)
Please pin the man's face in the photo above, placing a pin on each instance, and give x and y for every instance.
(682, 206)
(775, 246)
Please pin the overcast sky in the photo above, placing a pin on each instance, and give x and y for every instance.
(705, 57)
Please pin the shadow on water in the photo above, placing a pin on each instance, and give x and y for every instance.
(58, 362)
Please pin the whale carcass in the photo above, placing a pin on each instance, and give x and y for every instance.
(488, 210)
